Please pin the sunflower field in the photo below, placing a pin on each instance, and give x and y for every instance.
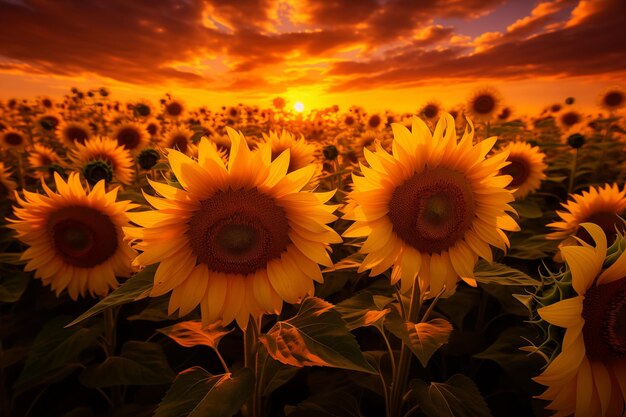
(168, 261)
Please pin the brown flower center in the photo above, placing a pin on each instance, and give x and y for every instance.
(374, 121)
(604, 331)
(519, 169)
(128, 137)
(152, 129)
(13, 139)
(174, 109)
(608, 221)
(614, 99)
(570, 118)
(76, 134)
(432, 210)
(484, 104)
(82, 236)
(238, 231)
(430, 111)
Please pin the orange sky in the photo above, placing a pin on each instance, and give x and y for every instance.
(392, 54)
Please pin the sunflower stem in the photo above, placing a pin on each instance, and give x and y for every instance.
(402, 371)
(110, 342)
(572, 173)
(251, 356)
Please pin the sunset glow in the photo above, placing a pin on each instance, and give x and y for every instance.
(299, 107)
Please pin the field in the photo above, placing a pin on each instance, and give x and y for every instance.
(170, 260)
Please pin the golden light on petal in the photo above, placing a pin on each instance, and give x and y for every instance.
(526, 167)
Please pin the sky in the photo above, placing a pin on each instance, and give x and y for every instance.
(380, 54)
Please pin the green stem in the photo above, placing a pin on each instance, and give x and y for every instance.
(251, 353)
(400, 378)
(392, 359)
(572, 173)
(110, 341)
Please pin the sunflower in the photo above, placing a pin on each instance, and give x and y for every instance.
(142, 109)
(131, 136)
(526, 168)
(12, 139)
(430, 111)
(179, 139)
(613, 99)
(40, 157)
(588, 376)
(374, 122)
(483, 104)
(71, 133)
(48, 122)
(301, 153)
(599, 205)
(174, 109)
(432, 207)
(7, 186)
(569, 120)
(103, 158)
(237, 240)
(75, 237)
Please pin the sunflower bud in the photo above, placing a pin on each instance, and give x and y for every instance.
(576, 140)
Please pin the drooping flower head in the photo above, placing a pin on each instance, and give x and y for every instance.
(526, 167)
(431, 207)
(75, 237)
(588, 376)
(238, 238)
(600, 205)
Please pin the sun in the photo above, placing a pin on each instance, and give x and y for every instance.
(299, 107)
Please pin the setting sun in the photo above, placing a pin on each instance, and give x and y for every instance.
(299, 107)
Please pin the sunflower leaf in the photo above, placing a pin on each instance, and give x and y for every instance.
(12, 285)
(327, 404)
(496, 273)
(364, 309)
(424, 339)
(191, 333)
(527, 209)
(135, 288)
(54, 350)
(457, 397)
(196, 393)
(140, 363)
(316, 336)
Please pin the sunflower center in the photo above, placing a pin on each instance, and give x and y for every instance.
(519, 169)
(484, 104)
(432, 210)
(374, 121)
(604, 311)
(48, 122)
(608, 221)
(152, 129)
(82, 236)
(13, 139)
(180, 142)
(430, 111)
(570, 119)
(142, 110)
(128, 137)
(613, 99)
(238, 231)
(76, 134)
(174, 109)
(98, 170)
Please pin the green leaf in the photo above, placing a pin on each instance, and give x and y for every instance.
(527, 208)
(135, 288)
(196, 393)
(327, 404)
(13, 285)
(12, 259)
(56, 347)
(141, 363)
(496, 273)
(155, 311)
(424, 339)
(275, 374)
(457, 397)
(364, 309)
(191, 333)
(316, 336)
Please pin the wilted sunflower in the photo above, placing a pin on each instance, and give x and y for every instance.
(103, 158)
(526, 168)
(131, 136)
(483, 104)
(12, 139)
(432, 207)
(599, 205)
(238, 240)
(588, 376)
(301, 153)
(179, 139)
(75, 237)
(613, 99)
(71, 133)
(40, 157)
(7, 185)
